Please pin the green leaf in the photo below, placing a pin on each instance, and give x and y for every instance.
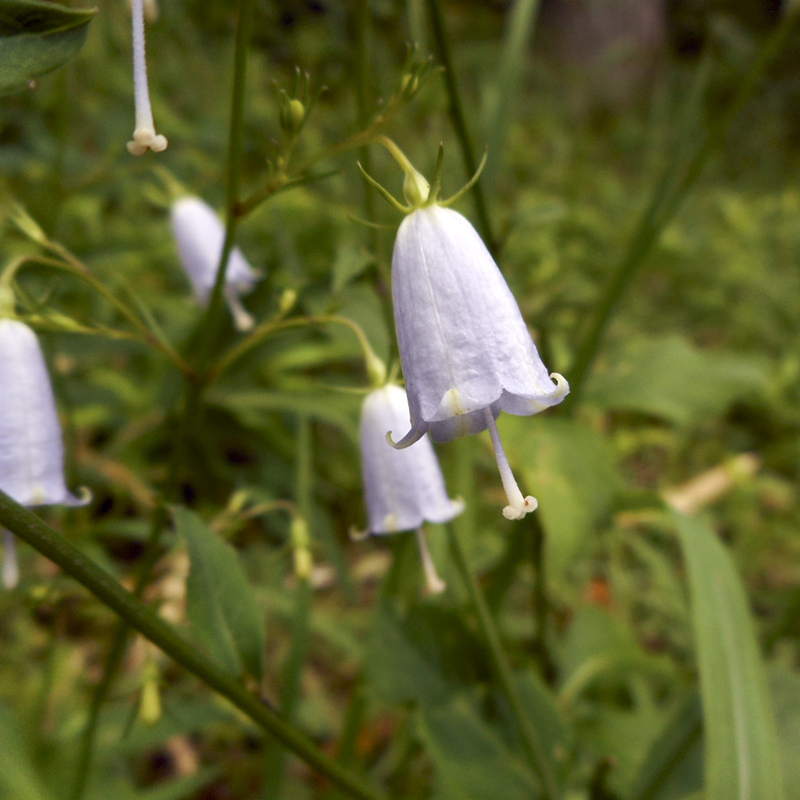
(18, 774)
(472, 761)
(674, 764)
(221, 605)
(570, 470)
(671, 379)
(742, 754)
(785, 687)
(422, 658)
(36, 37)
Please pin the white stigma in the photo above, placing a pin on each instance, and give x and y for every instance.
(433, 583)
(10, 565)
(518, 506)
(145, 136)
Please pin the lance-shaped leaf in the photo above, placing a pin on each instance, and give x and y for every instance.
(742, 760)
(220, 603)
(36, 37)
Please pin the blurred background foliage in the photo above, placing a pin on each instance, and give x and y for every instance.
(692, 402)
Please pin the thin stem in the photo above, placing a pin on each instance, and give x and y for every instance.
(459, 120)
(266, 329)
(107, 589)
(541, 761)
(275, 769)
(210, 324)
(539, 599)
(663, 208)
(69, 263)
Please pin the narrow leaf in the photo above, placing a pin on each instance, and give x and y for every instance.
(742, 755)
(221, 604)
(36, 37)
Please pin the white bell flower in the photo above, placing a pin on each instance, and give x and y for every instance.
(31, 447)
(403, 488)
(466, 351)
(200, 236)
(144, 135)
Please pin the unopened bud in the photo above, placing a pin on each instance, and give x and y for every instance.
(292, 115)
(150, 699)
(301, 546)
(409, 85)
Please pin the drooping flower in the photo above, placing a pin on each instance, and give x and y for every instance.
(31, 448)
(403, 488)
(466, 351)
(144, 135)
(200, 235)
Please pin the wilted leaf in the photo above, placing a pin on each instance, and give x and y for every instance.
(36, 37)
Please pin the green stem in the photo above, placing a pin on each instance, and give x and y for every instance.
(540, 604)
(106, 588)
(663, 208)
(275, 769)
(540, 760)
(459, 120)
(115, 654)
(209, 326)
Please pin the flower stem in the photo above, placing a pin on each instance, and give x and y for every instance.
(541, 761)
(459, 120)
(106, 588)
(209, 325)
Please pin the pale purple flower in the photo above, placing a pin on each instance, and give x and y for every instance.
(403, 488)
(466, 351)
(31, 447)
(200, 236)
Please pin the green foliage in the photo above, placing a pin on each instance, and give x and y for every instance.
(742, 754)
(221, 605)
(650, 666)
(36, 37)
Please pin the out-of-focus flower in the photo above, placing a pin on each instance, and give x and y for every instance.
(144, 135)
(200, 235)
(403, 488)
(31, 447)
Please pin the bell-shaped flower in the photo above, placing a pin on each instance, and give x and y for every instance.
(31, 447)
(144, 135)
(200, 235)
(466, 351)
(403, 488)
